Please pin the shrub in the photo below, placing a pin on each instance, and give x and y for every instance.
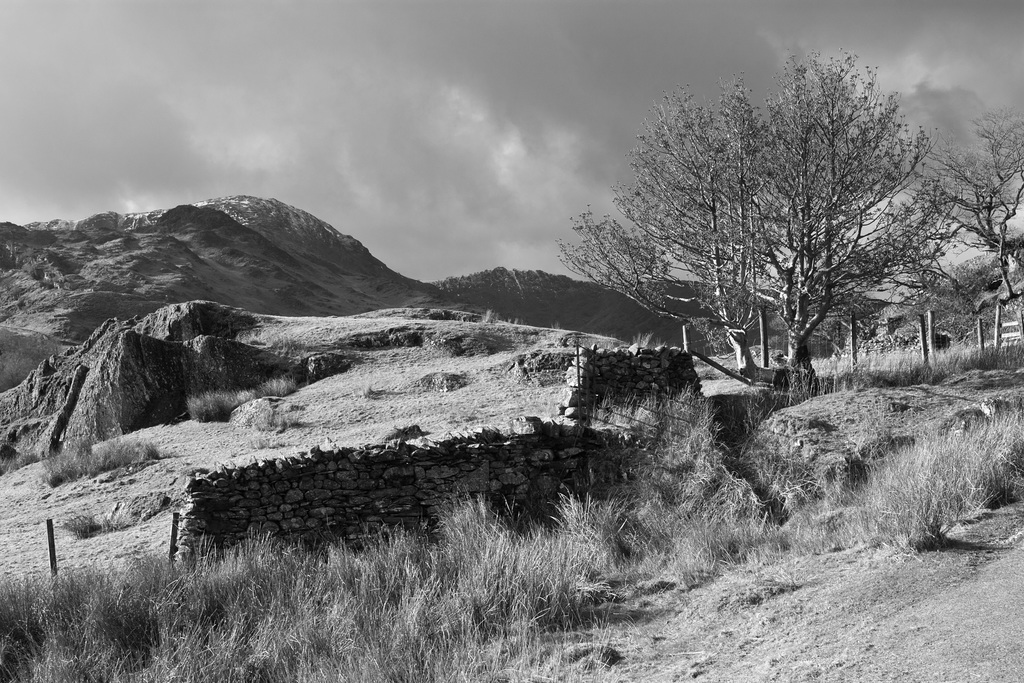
(82, 460)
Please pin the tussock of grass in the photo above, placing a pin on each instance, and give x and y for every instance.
(216, 406)
(87, 526)
(920, 493)
(75, 462)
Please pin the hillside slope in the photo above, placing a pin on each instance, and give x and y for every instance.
(544, 299)
(65, 277)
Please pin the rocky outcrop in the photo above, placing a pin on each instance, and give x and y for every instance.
(130, 375)
(186, 321)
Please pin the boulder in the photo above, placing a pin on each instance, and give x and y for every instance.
(264, 414)
(122, 379)
(323, 365)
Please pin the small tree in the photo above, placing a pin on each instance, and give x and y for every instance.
(979, 189)
(797, 209)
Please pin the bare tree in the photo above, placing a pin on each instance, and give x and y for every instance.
(979, 189)
(799, 209)
(690, 214)
(836, 217)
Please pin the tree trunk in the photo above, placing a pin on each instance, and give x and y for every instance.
(801, 358)
(744, 359)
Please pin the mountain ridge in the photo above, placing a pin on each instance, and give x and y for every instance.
(64, 277)
(550, 300)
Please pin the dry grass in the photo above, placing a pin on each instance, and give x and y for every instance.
(87, 526)
(216, 406)
(472, 606)
(918, 494)
(21, 459)
(83, 460)
(906, 368)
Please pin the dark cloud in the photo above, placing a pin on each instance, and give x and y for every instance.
(447, 136)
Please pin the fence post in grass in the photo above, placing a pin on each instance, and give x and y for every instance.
(998, 334)
(922, 327)
(686, 338)
(762, 323)
(52, 547)
(173, 550)
(931, 333)
(1020, 323)
(980, 331)
(853, 340)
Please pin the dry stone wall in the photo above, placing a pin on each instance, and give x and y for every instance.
(597, 373)
(334, 492)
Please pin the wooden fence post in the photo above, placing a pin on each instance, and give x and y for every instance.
(1020, 325)
(998, 334)
(922, 327)
(981, 334)
(762, 323)
(173, 550)
(931, 333)
(853, 339)
(686, 338)
(52, 547)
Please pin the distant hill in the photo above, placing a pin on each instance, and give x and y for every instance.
(538, 298)
(64, 277)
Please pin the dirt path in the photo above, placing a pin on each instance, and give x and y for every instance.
(856, 615)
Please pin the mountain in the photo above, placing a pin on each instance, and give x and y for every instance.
(538, 298)
(64, 277)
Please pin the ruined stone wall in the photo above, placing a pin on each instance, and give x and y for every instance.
(335, 492)
(597, 373)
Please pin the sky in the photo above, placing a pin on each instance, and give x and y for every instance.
(448, 136)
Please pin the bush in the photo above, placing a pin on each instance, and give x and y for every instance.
(82, 460)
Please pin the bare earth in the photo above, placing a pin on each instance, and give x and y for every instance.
(865, 614)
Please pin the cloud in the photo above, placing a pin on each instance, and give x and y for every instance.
(448, 136)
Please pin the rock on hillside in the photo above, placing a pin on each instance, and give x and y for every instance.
(66, 277)
(131, 375)
(546, 300)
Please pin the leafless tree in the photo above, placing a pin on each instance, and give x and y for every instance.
(690, 215)
(979, 189)
(800, 208)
